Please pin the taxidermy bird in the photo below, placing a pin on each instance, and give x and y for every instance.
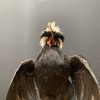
(54, 75)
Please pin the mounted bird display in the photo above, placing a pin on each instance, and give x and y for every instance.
(54, 75)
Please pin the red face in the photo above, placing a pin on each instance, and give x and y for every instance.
(51, 42)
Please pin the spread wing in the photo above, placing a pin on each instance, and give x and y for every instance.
(85, 82)
(22, 86)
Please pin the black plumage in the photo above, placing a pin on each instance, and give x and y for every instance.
(53, 75)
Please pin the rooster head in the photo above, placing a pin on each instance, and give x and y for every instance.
(52, 36)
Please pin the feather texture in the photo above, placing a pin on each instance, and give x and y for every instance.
(85, 82)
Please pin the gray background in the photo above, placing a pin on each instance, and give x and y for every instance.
(21, 22)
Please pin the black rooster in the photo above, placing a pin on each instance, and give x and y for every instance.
(53, 75)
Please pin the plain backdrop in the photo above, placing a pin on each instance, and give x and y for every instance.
(21, 22)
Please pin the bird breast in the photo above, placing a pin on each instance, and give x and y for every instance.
(51, 72)
(51, 57)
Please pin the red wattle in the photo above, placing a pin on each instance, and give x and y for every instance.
(51, 42)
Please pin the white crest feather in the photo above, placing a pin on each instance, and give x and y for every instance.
(43, 41)
(52, 28)
(61, 43)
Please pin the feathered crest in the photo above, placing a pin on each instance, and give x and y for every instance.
(52, 28)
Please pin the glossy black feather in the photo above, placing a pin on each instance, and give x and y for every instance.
(22, 87)
(85, 83)
(48, 78)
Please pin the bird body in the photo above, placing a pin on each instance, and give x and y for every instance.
(54, 75)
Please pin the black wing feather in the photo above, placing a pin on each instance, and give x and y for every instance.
(86, 85)
(22, 86)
